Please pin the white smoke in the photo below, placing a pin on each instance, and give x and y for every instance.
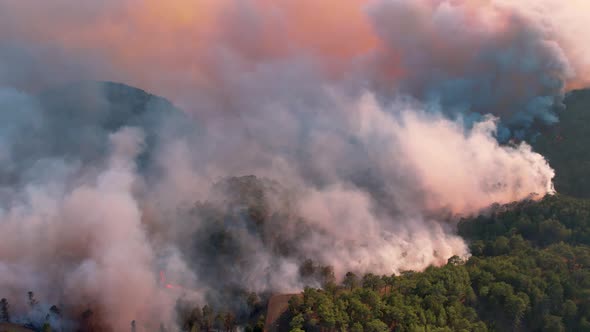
(98, 235)
(85, 243)
(368, 179)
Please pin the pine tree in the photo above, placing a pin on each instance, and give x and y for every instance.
(55, 311)
(4, 311)
(32, 301)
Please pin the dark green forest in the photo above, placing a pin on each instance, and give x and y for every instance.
(530, 271)
(566, 146)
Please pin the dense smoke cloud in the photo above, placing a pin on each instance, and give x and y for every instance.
(480, 59)
(96, 230)
(365, 123)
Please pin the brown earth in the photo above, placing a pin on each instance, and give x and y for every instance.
(276, 315)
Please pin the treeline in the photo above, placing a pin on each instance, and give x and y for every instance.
(53, 314)
(554, 219)
(252, 314)
(530, 271)
(206, 318)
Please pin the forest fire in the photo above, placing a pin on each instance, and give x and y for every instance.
(165, 284)
(351, 136)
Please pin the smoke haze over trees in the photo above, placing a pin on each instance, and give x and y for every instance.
(355, 141)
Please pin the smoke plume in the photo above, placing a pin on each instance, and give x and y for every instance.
(350, 132)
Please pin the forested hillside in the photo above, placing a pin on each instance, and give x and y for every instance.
(567, 146)
(529, 269)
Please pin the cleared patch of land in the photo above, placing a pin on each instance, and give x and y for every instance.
(276, 319)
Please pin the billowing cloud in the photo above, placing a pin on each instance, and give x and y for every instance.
(370, 126)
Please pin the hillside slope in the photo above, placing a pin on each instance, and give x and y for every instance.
(567, 146)
(72, 124)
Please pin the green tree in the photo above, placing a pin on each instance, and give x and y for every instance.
(376, 326)
(297, 322)
(516, 308)
(372, 281)
(350, 281)
(553, 324)
(570, 311)
(357, 327)
(552, 231)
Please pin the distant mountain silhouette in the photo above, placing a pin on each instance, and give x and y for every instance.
(73, 123)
